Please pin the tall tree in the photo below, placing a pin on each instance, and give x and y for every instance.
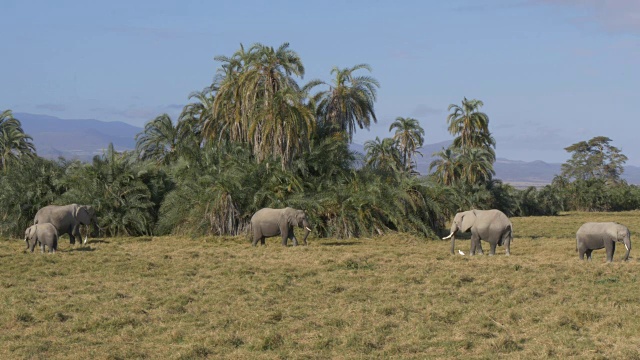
(447, 166)
(260, 102)
(349, 101)
(594, 159)
(477, 166)
(470, 126)
(410, 136)
(382, 154)
(14, 143)
(158, 140)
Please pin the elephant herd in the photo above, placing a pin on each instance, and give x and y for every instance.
(492, 226)
(52, 221)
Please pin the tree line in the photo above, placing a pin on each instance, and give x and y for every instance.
(257, 137)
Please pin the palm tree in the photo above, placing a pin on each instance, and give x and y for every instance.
(448, 169)
(349, 100)
(409, 136)
(14, 143)
(259, 102)
(477, 166)
(227, 115)
(471, 127)
(382, 154)
(159, 140)
(290, 129)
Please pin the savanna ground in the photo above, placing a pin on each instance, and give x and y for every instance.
(390, 297)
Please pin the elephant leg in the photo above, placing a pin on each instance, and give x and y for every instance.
(292, 236)
(492, 250)
(610, 251)
(581, 253)
(285, 237)
(478, 245)
(42, 248)
(588, 252)
(255, 240)
(475, 241)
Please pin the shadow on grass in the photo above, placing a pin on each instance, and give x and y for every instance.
(83, 249)
(98, 241)
(341, 243)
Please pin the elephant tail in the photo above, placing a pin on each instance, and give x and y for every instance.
(507, 234)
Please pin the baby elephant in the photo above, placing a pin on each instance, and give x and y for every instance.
(593, 236)
(45, 234)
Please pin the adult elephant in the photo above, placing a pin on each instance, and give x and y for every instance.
(492, 226)
(597, 235)
(269, 222)
(68, 218)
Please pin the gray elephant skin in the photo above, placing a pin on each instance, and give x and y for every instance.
(492, 226)
(597, 235)
(44, 234)
(269, 222)
(68, 218)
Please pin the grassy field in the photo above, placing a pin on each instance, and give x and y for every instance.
(390, 297)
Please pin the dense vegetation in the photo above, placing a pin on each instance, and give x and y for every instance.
(393, 296)
(258, 138)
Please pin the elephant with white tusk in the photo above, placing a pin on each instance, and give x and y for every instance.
(68, 218)
(597, 235)
(269, 222)
(492, 226)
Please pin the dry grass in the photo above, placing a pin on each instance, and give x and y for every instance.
(390, 297)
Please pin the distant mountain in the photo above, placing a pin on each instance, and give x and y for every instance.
(76, 139)
(83, 139)
(518, 173)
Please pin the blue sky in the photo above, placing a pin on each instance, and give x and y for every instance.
(550, 72)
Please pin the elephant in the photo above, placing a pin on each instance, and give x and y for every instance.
(68, 218)
(269, 222)
(45, 234)
(597, 235)
(492, 226)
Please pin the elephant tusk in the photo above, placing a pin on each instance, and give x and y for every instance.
(85, 240)
(447, 237)
(625, 245)
(307, 228)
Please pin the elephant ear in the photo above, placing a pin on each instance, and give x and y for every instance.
(289, 216)
(82, 215)
(468, 219)
(30, 230)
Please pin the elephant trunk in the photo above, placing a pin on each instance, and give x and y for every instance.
(307, 231)
(627, 244)
(453, 244)
(452, 235)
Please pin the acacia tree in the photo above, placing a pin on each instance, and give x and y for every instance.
(594, 159)
(410, 136)
(14, 143)
(349, 101)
